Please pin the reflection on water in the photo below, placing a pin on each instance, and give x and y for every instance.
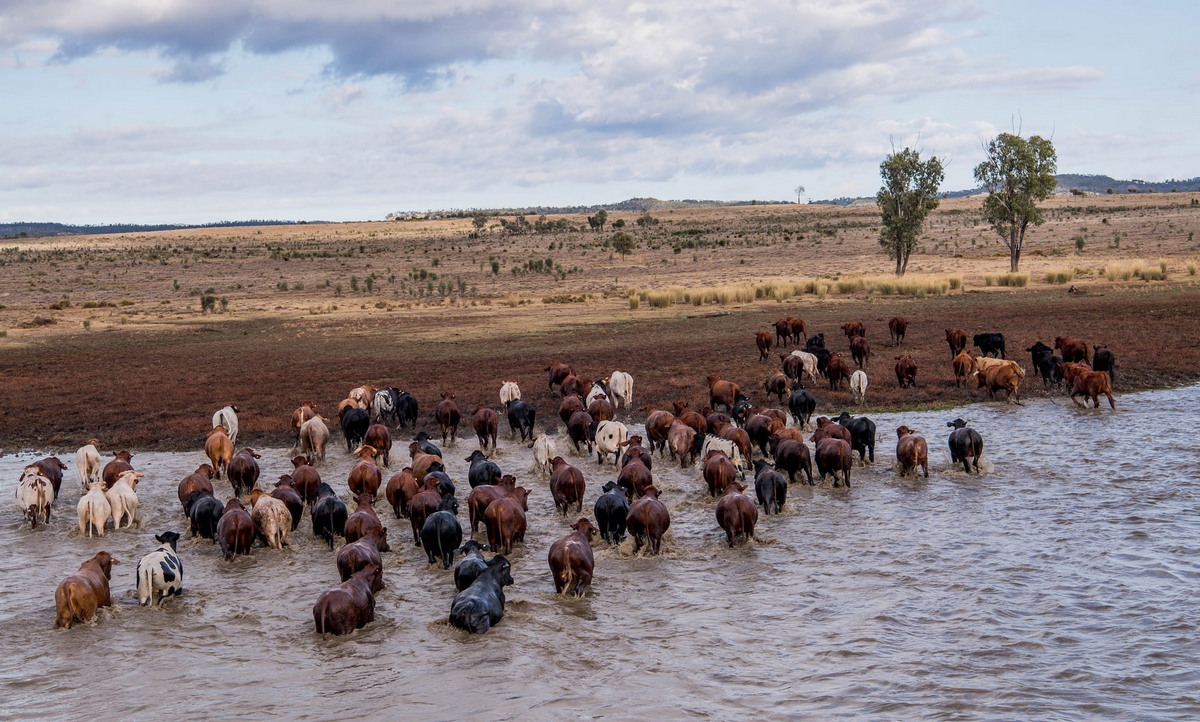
(1064, 579)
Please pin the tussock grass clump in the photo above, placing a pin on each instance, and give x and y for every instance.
(1060, 275)
(634, 301)
(916, 285)
(1016, 280)
(1191, 266)
(1156, 271)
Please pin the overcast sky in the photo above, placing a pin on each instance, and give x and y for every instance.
(191, 111)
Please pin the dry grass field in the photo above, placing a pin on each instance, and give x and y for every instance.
(105, 335)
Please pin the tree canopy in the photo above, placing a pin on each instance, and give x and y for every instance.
(909, 193)
(1017, 174)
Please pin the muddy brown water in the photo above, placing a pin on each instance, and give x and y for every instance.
(1063, 581)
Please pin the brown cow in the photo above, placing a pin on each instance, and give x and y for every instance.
(798, 328)
(350, 605)
(658, 424)
(739, 437)
(422, 505)
(722, 393)
(365, 476)
(833, 455)
(305, 478)
(997, 378)
(483, 495)
(906, 372)
(219, 450)
(486, 423)
(52, 468)
(446, 414)
(911, 451)
(306, 411)
(758, 429)
(718, 471)
(423, 463)
(575, 385)
(691, 418)
(762, 339)
(119, 464)
(285, 491)
(363, 553)
(571, 561)
(79, 595)
(1073, 350)
(634, 478)
(556, 372)
(897, 327)
(1090, 384)
(505, 522)
(791, 456)
(964, 366)
(363, 520)
(579, 429)
(243, 471)
(647, 521)
(860, 351)
(777, 383)
(235, 530)
(198, 480)
(601, 409)
(1069, 371)
(854, 328)
(826, 429)
(783, 332)
(400, 490)
(956, 339)
(380, 439)
(681, 441)
(566, 485)
(837, 370)
(634, 450)
(570, 405)
(736, 513)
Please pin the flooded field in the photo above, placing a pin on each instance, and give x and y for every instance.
(1062, 582)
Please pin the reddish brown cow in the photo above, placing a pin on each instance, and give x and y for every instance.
(120, 464)
(198, 480)
(956, 339)
(658, 423)
(52, 468)
(219, 450)
(791, 456)
(422, 505)
(1069, 371)
(722, 393)
(305, 478)
(897, 327)
(505, 522)
(556, 372)
(363, 553)
(571, 561)
(566, 485)
(79, 595)
(1090, 384)
(833, 456)
(243, 471)
(601, 409)
(486, 422)
(777, 383)
(718, 471)
(647, 521)
(570, 405)
(854, 328)
(712, 418)
(447, 416)
(826, 429)
(1073, 350)
(634, 478)
(306, 411)
(365, 477)
(906, 372)
(736, 513)
(575, 385)
(792, 366)
(783, 332)
(860, 351)
(758, 429)
(400, 490)
(798, 328)
(484, 494)
(363, 520)
(691, 418)
(350, 605)
(1001, 378)
(681, 440)
(911, 451)
(379, 438)
(235, 530)
(837, 370)
(423, 463)
(579, 430)
(739, 437)
(964, 366)
(762, 339)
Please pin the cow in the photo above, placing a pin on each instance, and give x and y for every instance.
(956, 339)
(471, 565)
(1070, 371)
(556, 373)
(441, 534)
(1090, 384)
(573, 385)
(860, 351)
(601, 409)
(769, 486)
(521, 417)
(122, 461)
(329, 514)
(862, 435)
(648, 520)
(51, 468)
(792, 456)
(833, 456)
(816, 341)
(718, 472)
(826, 428)
(544, 449)
(1001, 378)
(801, 405)
(989, 343)
(579, 429)
(566, 485)
(314, 437)
(160, 573)
(1102, 360)
(380, 439)
(365, 476)
(808, 365)
(571, 561)
(964, 366)
(725, 446)
(739, 437)
(982, 364)
(122, 498)
(854, 328)
(243, 471)
(897, 327)
(509, 391)
(1073, 350)
(235, 530)
(822, 355)
(858, 386)
(906, 372)
(570, 405)
(611, 509)
(305, 478)
(505, 522)
(837, 370)
(609, 437)
(94, 511)
(227, 417)
(400, 490)
(204, 514)
(424, 463)
(681, 440)
(480, 606)
(480, 470)
(350, 605)
(758, 429)
(966, 445)
(736, 513)
(692, 419)
(87, 464)
(633, 478)
(783, 332)
(79, 595)
(35, 496)
(406, 409)
(658, 423)
(722, 393)
(798, 328)
(363, 520)
(762, 339)
(365, 396)
(361, 553)
(620, 389)
(1045, 363)
(284, 491)
(271, 517)
(355, 423)
(911, 452)
(486, 423)
(482, 496)
(198, 480)
(303, 413)
(777, 384)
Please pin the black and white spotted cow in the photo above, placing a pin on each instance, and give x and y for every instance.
(160, 573)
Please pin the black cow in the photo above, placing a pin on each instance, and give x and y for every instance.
(480, 606)
(482, 471)
(769, 486)
(328, 514)
(205, 512)
(472, 565)
(611, 509)
(355, 423)
(406, 409)
(427, 446)
(444, 485)
(990, 343)
(1104, 360)
(1045, 363)
(441, 534)
(801, 404)
(521, 415)
(817, 340)
(741, 410)
(966, 445)
(822, 355)
(862, 435)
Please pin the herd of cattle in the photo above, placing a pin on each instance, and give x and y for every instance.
(723, 438)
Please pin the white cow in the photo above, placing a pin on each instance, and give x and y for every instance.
(94, 511)
(620, 389)
(858, 386)
(544, 449)
(609, 437)
(160, 573)
(271, 517)
(314, 436)
(35, 495)
(808, 362)
(509, 391)
(227, 417)
(123, 499)
(598, 388)
(87, 464)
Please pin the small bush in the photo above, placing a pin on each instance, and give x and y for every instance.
(87, 323)
(281, 286)
(208, 303)
(1017, 280)
(634, 301)
(1191, 267)
(1061, 275)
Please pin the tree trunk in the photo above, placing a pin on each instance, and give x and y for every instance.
(900, 264)
(1014, 250)
(904, 267)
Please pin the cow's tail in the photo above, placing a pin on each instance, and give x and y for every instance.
(145, 583)
(320, 617)
(327, 532)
